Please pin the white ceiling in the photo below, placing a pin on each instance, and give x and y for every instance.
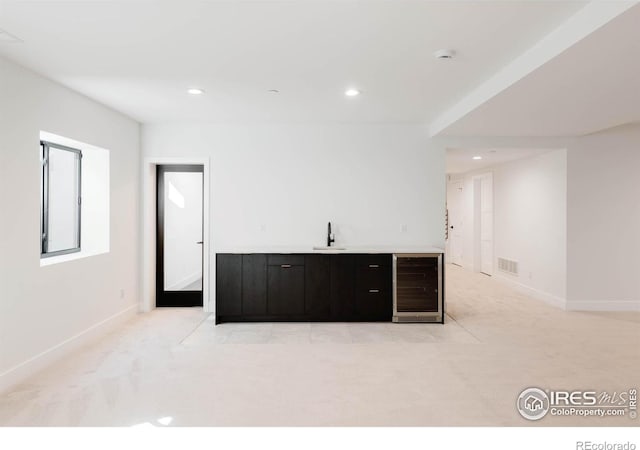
(139, 56)
(591, 86)
(460, 160)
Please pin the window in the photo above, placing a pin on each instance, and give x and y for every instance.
(60, 199)
(64, 213)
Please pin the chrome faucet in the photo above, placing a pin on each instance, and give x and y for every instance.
(330, 236)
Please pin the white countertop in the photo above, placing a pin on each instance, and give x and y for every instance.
(339, 249)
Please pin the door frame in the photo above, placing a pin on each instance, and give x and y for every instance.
(459, 210)
(477, 222)
(149, 235)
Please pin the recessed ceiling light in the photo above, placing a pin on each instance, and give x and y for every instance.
(351, 92)
(477, 157)
(273, 91)
(444, 53)
(195, 91)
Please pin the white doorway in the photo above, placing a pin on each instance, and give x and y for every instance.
(483, 229)
(149, 236)
(455, 221)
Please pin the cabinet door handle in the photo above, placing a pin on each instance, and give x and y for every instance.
(373, 266)
(285, 266)
(374, 291)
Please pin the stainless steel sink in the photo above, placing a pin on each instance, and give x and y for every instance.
(329, 248)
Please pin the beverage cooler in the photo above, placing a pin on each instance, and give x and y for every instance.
(418, 288)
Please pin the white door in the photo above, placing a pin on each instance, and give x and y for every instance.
(454, 207)
(486, 224)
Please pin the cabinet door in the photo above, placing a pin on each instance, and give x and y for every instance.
(254, 285)
(342, 287)
(285, 290)
(316, 286)
(374, 299)
(228, 285)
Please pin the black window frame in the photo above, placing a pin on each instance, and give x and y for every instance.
(44, 200)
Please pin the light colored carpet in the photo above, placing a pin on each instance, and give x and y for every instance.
(173, 366)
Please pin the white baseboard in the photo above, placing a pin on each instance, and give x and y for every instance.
(186, 281)
(603, 305)
(31, 366)
(546, 297)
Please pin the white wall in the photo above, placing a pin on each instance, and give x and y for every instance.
(604, 221)
(530, 214)
(42, 309)
(281, 184)
(95, 200)
(531, 220)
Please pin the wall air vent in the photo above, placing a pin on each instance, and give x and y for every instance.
(508, 265)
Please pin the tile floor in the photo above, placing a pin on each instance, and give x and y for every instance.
(174, 367)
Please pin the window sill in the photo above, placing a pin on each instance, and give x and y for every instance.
(69, 257)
